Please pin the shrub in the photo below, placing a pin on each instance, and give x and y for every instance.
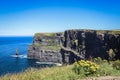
(105, 69)
(116, 64)
(85, 67)
(76, 42)
(98, 60)
(111, 54)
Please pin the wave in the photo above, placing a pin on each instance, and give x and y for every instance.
(57, 64)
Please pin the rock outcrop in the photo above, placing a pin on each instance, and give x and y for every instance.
(74, 45)
(91, 43)
(45, 48)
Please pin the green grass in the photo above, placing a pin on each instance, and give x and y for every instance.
(37, 44)
(65, 72)
(107, 69)
(109, 31)
(37, 35)
(56, 48)
(54, 73)
(98, 31)
(49, 47)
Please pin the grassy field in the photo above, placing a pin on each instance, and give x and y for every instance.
(65, 72)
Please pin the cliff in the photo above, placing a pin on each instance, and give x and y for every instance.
(74, 45)
(45, 48)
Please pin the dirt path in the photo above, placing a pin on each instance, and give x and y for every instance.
(103, 78)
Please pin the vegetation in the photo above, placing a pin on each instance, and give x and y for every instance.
(56, 48)
(109, 31)
(111, 54)
(99, 60)
(38, 35)
(116, 64)
(80, 69)
(37, 44)
(48, 43)
(107, 68)
(85, 67)
(76, 42)
(49, 47)
(101, 31)
(53, 73)
(45, 34)
(52, 43)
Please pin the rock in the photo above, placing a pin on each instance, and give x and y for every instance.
(45, 48)
(73, 45)
(44, 55)
(93, 43)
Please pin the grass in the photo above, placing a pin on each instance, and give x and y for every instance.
(54, 73)
(56, 48)
(65, 72)
(51, 35)
(107, 69)
(98, 31)
(37, 35)
(37, 44)
(109, 31)
(48, 47)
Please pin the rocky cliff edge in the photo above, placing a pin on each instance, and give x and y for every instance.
(72, 45)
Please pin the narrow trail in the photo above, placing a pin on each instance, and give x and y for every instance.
(75, 52)
(103, 78)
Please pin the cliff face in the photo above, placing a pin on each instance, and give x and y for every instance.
(45, 48)
(92, 43)
(75, 45)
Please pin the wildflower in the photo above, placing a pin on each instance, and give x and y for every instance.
(87, 66)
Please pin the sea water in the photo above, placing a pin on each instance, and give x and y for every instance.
(8, 62)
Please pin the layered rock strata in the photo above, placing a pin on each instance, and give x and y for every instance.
(74, 45)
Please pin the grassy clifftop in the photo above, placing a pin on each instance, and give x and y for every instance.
(109, 31)
(45, 34)
(99, 31)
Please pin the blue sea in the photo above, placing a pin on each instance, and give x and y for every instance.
(8, 62)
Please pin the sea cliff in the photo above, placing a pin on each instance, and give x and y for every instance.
(72, 45)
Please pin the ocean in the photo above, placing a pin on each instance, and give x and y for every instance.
(11, 64)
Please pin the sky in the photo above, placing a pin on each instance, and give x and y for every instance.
(27, 17)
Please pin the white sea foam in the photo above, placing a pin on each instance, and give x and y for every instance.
(19, 56)
(57, 64)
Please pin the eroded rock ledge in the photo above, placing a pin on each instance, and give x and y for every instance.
(72, 45)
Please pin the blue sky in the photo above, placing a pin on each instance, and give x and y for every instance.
(26, 17)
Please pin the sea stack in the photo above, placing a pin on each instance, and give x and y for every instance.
(17, 53)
